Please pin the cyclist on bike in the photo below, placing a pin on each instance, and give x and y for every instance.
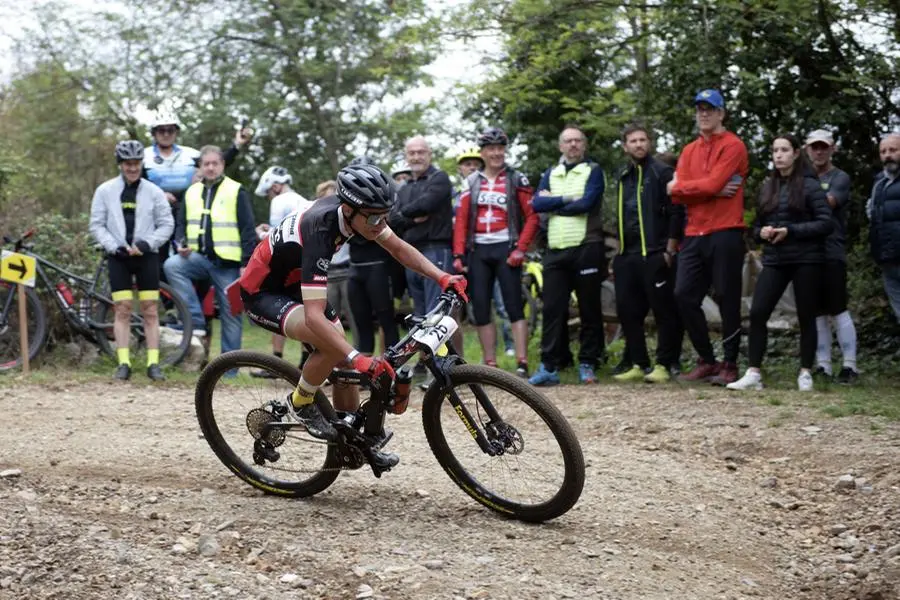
(131, 219)
(284, 286)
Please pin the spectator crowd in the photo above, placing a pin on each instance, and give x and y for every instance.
(172, 214)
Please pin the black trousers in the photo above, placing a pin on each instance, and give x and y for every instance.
(371, 299)
(644, 284)
(769, 288)
(583, 270)
(716, 259)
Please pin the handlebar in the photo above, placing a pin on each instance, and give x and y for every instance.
(19, 244)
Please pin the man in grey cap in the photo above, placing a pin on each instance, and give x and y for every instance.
(836, 184)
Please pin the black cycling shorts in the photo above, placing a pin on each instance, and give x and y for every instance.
(487, 262)
(270, 310)
(833, 294)
(125, 272)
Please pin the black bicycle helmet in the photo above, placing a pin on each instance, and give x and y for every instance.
(129, 150)
(362, 160)
(492, 136)
(365, 187)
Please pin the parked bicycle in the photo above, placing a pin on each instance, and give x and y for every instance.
(499, 439)
(87, 309)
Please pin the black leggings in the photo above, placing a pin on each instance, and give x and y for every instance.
(369, 289)
(769, 288)
(487, 262)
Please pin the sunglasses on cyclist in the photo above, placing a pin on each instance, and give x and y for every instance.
(166, 130)
(373, 219)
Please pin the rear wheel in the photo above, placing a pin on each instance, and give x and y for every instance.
(173, 344)
(36, 324)
(539, 475)
(233, 412)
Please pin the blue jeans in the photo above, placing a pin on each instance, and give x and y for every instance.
(890, 274)
(423, 291)
(183, 272)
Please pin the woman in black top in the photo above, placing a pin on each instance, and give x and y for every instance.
(793, 220)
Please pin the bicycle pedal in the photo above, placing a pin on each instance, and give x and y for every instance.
(381, 462)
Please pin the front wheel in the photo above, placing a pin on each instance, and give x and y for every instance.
(234, 409)
(539, 475)
(35, 323)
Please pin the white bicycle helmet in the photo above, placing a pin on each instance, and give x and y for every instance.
(164, 118)
(400, 167)
(272, 176)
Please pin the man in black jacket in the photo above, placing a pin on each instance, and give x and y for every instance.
(650, 228)
(423, 215)
(883, 210)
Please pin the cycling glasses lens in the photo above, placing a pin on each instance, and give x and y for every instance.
(376, 219)
(165, 130)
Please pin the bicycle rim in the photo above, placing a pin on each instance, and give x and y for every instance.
(229, 410)
(540, 476)
(10, 340)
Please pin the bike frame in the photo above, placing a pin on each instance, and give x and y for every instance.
(374, 410)
(84, 326)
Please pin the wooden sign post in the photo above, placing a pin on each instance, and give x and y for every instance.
(19, 269)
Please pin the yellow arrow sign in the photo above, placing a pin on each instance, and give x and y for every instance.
(17, 268)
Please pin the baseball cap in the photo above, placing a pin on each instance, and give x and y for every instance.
(712, 97)
(819, 135)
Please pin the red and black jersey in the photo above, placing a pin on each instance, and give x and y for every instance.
(295, 257)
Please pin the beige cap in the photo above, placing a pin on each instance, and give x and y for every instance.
(820, 135)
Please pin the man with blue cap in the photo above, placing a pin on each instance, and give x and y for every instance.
(709, 183)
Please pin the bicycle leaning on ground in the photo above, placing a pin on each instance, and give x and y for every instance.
(87, 309)
(498, 438)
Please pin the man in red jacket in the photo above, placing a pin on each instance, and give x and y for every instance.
(709, 183)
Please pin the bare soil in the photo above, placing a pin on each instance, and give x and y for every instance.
(690, 494)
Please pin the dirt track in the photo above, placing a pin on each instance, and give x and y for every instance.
(690, 494)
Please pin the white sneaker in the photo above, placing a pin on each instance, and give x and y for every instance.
(752, 380)
(805, 382)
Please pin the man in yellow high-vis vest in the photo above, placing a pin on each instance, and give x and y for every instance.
(215, 234)
(569, 199)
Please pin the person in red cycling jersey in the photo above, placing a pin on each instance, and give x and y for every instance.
(284, 285)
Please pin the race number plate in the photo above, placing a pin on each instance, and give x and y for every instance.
(435, 335)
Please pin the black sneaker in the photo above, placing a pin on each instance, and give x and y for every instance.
(821, 374)
(123, 372)
(522, 370)
(847, 376)
(155, 373)
(315, 422)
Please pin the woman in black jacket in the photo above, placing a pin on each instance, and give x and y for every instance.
(793, 220)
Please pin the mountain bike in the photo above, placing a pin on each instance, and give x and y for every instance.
(499, 439)
(87, 309)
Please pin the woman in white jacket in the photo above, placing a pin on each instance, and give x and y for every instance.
(131, 219)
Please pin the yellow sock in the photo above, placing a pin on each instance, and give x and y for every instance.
(152, 356)
(124, 356)
(304, 393)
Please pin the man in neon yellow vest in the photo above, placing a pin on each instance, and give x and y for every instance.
(216, 236)
(569, 198)
(650, 228)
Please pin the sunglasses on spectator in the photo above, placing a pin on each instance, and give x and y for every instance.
(374, 219)
(166, 130)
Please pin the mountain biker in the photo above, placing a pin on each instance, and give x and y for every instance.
(131, 219)
(275, 184)
(401, 173)
(284, 287)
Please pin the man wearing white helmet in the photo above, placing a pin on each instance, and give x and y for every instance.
(401, 173)
(275, 184)
(172, 167)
